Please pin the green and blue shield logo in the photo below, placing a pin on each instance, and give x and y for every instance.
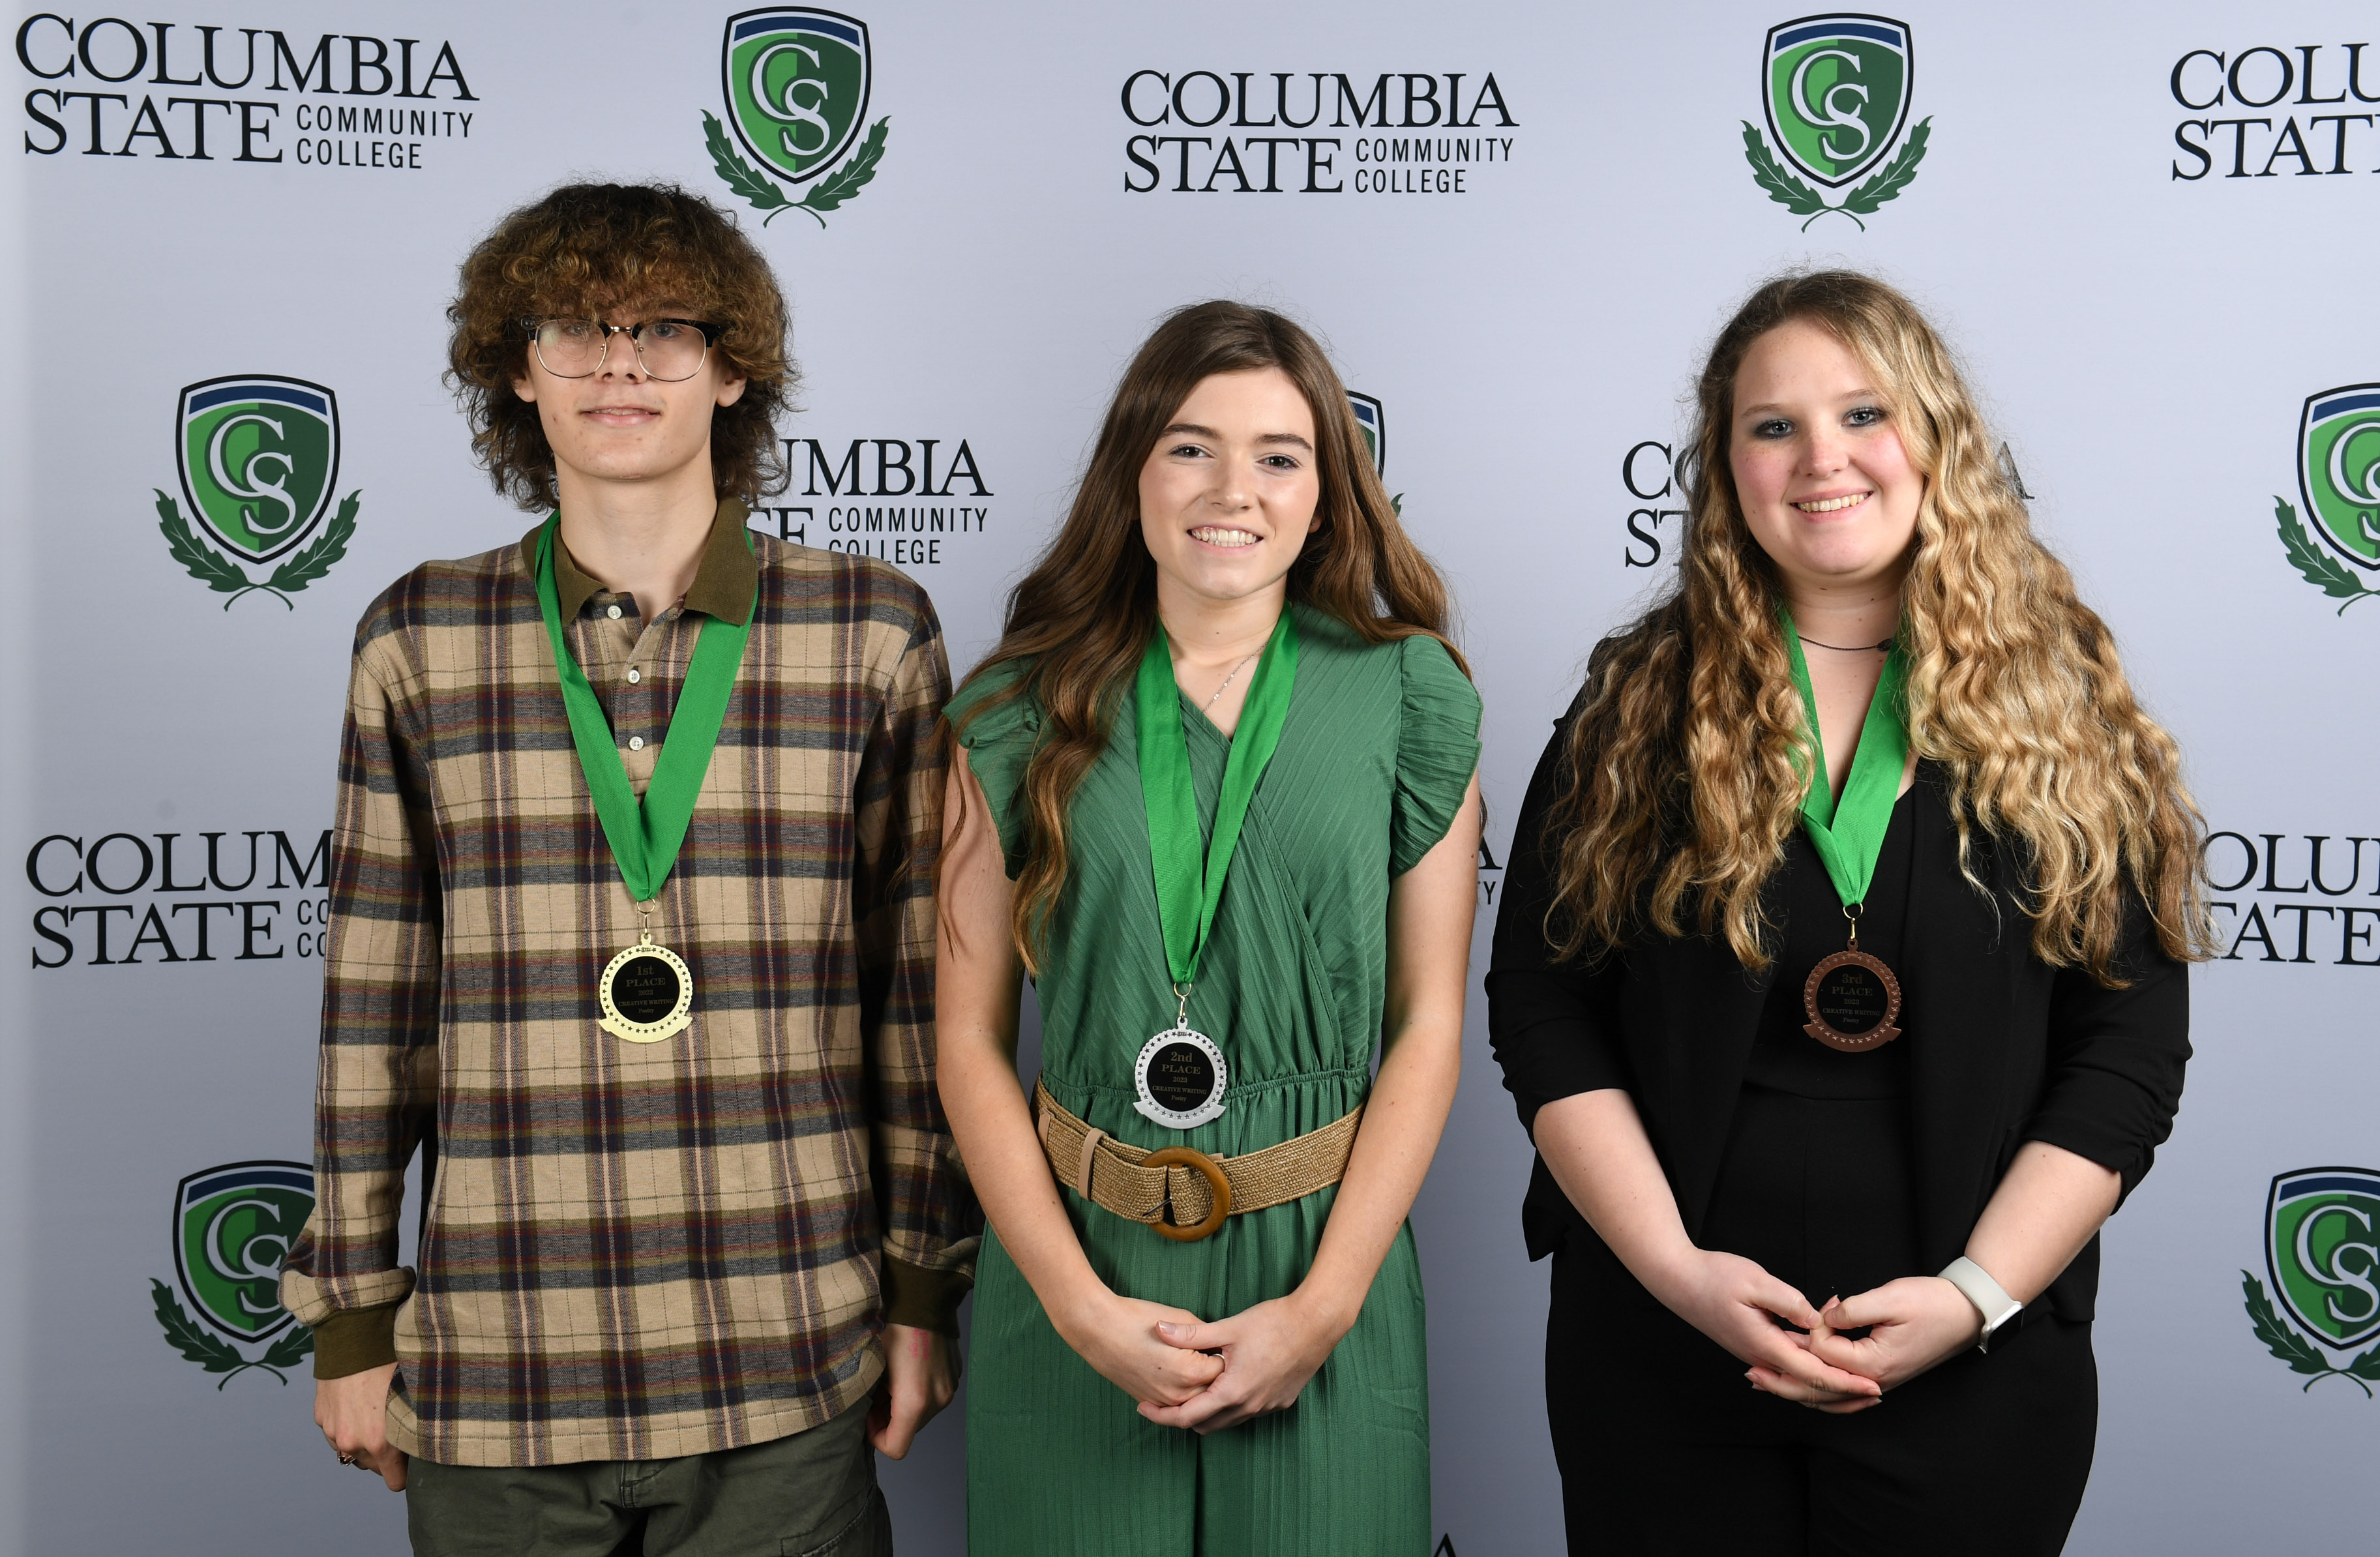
(2339, 470)
(233, 1226)
(2321, 1249)
(1837, 92)
(258, 456)
(1373, 423)
(796, 83)
(1375, 431)
(796, 86)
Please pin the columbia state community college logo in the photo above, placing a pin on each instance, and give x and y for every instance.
(258, 460)
(233, 1226)
(796, 84)
(2338, 541)
(1835, 89)
(1372, 420)
(2322, 1251)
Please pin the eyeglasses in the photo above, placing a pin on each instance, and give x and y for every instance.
(667, 349)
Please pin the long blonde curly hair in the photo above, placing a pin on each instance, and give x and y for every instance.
(1688, 754)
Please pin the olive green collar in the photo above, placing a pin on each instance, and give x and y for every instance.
(723, 581)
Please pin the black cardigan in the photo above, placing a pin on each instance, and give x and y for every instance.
(2005, 1049)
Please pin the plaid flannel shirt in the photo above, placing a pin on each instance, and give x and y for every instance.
(633, 1251)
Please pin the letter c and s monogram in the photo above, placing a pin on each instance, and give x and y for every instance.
(785, 108)
(2333, 1272)
(1826, 115)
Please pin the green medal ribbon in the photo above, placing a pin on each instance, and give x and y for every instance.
(646, 836)
(1189, 882)
(1849, 835)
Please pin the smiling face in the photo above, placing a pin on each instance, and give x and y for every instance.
(1826, 486)
(617, 424)
(1228, 495)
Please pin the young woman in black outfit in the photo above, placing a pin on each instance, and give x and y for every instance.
(1843, 944)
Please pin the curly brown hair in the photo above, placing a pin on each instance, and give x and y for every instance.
(589, 248)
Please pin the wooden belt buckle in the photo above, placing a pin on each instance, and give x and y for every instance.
(1191, 1157)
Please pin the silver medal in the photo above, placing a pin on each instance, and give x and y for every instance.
(1180, 1077)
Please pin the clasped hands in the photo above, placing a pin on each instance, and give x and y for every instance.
(1186, 1373)
(1912, 1324)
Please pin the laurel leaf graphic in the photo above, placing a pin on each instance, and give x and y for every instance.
(292, 1349)
(1897, 173)
(316, 560)
(741, 176)
(2295, 1349)
(2321, 569)
(851, 176)
(205, 564)
(186, 1336)
(1770, 174)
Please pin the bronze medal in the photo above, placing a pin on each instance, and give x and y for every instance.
(1852, 1001)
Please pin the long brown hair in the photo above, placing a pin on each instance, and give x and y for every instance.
(1688, 754)
(1079, 622)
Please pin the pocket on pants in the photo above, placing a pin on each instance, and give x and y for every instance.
(866, 1532)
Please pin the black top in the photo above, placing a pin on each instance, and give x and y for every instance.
(1999, 1047)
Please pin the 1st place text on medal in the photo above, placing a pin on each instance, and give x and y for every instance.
(647, 993)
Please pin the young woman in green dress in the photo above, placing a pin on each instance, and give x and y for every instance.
(1216, 794)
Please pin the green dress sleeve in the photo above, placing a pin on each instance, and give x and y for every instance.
(1438, 749)
(1000, 737)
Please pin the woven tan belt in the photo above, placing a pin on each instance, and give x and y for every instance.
(1198, 1191)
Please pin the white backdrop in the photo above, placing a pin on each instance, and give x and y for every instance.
(2145, 325)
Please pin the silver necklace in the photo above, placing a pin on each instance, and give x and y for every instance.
(1227, 682)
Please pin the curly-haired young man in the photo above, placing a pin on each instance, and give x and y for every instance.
(632, 917)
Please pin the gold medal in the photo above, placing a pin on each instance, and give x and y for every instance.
(646, 992)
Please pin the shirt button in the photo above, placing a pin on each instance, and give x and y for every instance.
(636, 742)
(634, 676)
(613, 612)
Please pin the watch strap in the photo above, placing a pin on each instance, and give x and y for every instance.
(1990, 1298)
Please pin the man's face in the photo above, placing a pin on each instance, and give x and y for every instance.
(619, 424)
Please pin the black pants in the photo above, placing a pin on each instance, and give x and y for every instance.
(1664, 1447)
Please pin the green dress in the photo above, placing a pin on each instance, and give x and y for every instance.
(1381, 743)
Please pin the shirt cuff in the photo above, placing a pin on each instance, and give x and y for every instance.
(1552, 1058)
(354, 1340)
(2106, 1119)
(923, 1299)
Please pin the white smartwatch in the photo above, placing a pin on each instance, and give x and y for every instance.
(1990, 1299)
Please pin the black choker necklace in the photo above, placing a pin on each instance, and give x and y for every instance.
(1841, 648)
